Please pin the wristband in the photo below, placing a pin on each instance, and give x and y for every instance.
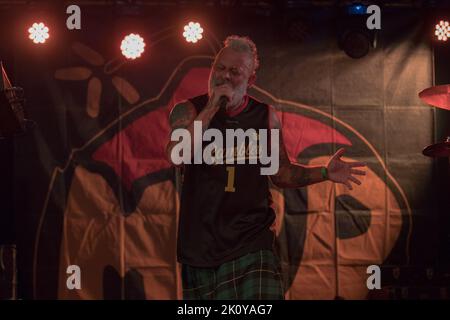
(324, 172)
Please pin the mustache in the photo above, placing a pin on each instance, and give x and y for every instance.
(220, 82)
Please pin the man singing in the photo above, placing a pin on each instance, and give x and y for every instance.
(225, 241)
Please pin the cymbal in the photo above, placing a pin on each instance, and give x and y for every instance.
(438, 96)
(441, 149)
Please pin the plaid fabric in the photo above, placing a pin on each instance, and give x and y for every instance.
(254, 276)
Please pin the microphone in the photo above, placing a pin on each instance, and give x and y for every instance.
(223, 102)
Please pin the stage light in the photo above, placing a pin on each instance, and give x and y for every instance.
(442, 32)
(355, 43)
(193, 32)
(132, 46)
(354, 36)
(38, 32)
(357, 8)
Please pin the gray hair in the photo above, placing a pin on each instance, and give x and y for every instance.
(243, 44)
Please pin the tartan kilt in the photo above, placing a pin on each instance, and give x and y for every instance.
(254, 276)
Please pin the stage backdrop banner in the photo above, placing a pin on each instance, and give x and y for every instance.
(93, 188)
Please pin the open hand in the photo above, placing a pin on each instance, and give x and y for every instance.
(343, 172)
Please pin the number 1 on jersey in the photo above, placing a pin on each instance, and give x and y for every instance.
(230, 180)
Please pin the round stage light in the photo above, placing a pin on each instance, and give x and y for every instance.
(38, 32)
(132, 46)
(356, 44)
(442, 32)
(193, 32)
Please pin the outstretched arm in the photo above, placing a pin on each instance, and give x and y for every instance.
(294, 175)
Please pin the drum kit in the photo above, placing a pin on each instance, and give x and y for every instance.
(438, 96)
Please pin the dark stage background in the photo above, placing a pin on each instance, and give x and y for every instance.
(89, 185)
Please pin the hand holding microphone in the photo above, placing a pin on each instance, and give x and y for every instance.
(221, 96)
(223, 100)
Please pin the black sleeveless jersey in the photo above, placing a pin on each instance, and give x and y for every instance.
(225, 208)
